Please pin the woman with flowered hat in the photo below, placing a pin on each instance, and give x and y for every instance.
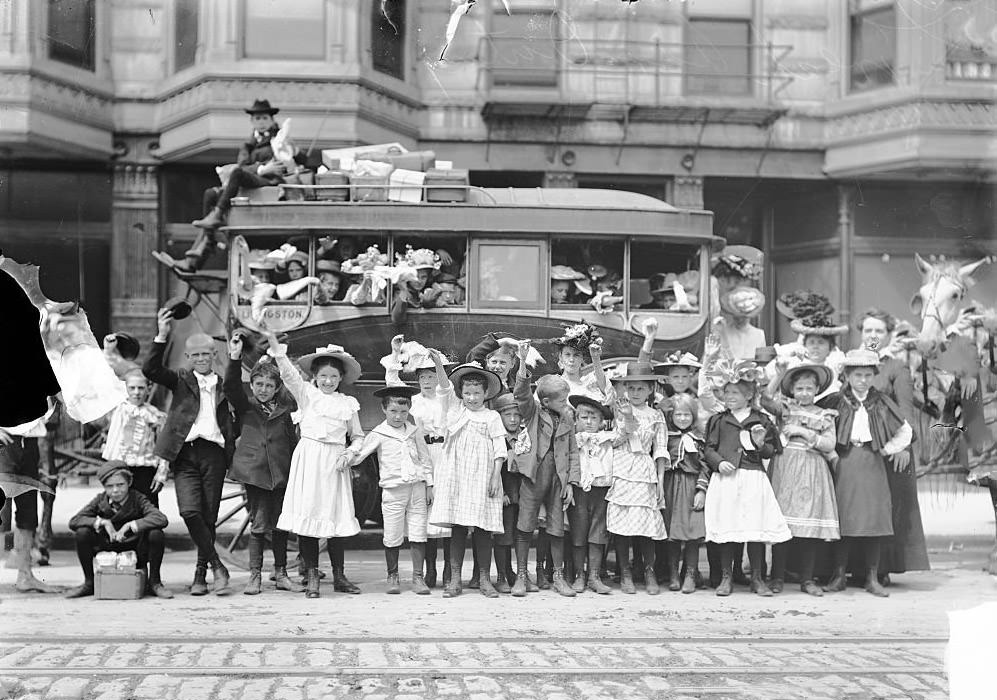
(318, 502)
(735, 272)
(740, 504)
(579, 343)
(872, 437)
(565, 281)
(801, 474)
(411, 291)
(812, 319)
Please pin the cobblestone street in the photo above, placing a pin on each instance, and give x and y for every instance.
(372, 646)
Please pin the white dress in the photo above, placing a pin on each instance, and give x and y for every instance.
(633, 508)
(428, 415)
(319, 498)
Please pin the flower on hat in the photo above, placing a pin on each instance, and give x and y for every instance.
(726, 371)
(281, 254)
(365, 262)
(579, 336)
(418, 258)
(730, 264)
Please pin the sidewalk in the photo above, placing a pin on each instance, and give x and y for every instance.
(954, 514)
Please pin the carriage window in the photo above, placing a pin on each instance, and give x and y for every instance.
(664, 276)
(285, 270)
(509, 274)
(339, 265)
(441, 262)
(582, 269)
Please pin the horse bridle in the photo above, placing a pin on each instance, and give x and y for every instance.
(934, 315)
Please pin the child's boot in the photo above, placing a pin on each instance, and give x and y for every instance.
(199, 586)
(578, 559)
(838, 582)
(543, 583)
(255, 584)
(502, 554)
(595, 560)
(872, 584)
(431, 573)
(394, 587)
(651, 581)
(312, 588)
(726, 585)
(485, 584)
(674, 565)
(758, 585)
(627, 580)
(284, 582)
(560, 585)
(214, 219)
(220, 578)
(419, 586)
(691, 567)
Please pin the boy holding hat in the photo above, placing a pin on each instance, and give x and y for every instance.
(119, 519)
(195, 440)
(517, 440)
(406, 480)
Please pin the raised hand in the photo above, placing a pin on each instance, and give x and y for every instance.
(164, 321)
(650, 327)
(396, 343)
(523, 349)
(235, 347)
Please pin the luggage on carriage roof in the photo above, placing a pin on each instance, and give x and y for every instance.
(446, 185)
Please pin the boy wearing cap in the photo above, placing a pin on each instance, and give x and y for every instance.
(406, 471)
(517, 441)
(330, 282)
(547, 470)
(119, 519)
(196, 441)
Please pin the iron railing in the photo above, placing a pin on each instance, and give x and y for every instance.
(644, 73)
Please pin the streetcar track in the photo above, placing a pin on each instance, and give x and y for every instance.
(534, 639)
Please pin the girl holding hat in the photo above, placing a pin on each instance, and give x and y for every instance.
(637, 492)
(740, 504)
(319, 498)
(469, 483)
(429, 415)
(872, 437)
(800, 474)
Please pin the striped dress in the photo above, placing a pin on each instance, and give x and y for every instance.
(633, 508)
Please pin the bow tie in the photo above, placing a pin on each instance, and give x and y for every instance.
(206, 382)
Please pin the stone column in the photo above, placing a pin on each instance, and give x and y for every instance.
(555, 178)
(687, 192)
(134, 236)
(846, 236)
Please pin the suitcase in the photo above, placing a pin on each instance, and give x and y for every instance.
(333, 194)
(369, 188)
(418, 160)
(446, 185)
(297, 194)
(406, 186)
(116, 578)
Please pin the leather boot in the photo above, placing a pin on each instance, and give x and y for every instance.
(674, 565)
(872, 585)
(26, 581)
(726, 585)
(220, 578)
(689, 582)
(447, 569)
(475, 581)
(312, 588)
(430, 577)
(255, 584)
(214, 219)
(811, 588)
(419, 586)
(596, 585)
(485, 585)
(838, 581)
(651, 581)
(758, 586)
(560, 585)
(394, 586)
(519, 588)
(502, 555)
(543, 583)
(341, 584)
(627, 581)
(200, 585)
(284, 582)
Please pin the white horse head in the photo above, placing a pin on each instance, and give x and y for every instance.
(939, 300)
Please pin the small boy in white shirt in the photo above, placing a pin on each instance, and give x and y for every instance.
(406, 482)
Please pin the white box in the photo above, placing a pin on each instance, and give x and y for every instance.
(346, 156)
(399, 192)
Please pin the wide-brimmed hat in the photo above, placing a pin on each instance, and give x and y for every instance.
(817, 325)
(112, 467)
(419, 258)
(331, 266)
(638, 372)
(739, 261)
(578, 336)
(565, 273)
(262, 107)
(351, 368)
(494, 381)
(677, 358)
(401, 390)
(504, 402)
(260, 260)
(577, 400)
(180, 307)
(743, 301)
(861, 357)
(299, 257)
(128, 345)
(824, 378)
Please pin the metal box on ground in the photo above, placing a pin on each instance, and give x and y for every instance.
(118, 584)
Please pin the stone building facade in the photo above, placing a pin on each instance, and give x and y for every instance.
(840, 137)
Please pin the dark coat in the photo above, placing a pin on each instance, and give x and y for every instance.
(894, 381)
(885, 418)
(540, 427)
(723, 442)
(263, 451)
(185, 405)
(135, 507)
(253, 153)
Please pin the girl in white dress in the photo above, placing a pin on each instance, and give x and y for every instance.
(468, 489)
(319, 498)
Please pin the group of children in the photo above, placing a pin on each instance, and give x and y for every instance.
(639, 459)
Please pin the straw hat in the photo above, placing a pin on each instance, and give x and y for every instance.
(743, 301)
(260, 260)
(860, 357)
(824, 378)
(638, 372)
(679, 359)
(299, 257)
(565, 273)
(577, 400)
(420, 258)
(817, 325)
(494, 387)
(351, 368)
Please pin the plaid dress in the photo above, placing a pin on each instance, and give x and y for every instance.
(474, 440)
(633, 508)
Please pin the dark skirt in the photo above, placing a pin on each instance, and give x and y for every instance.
(865, 508)
(682, 522)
